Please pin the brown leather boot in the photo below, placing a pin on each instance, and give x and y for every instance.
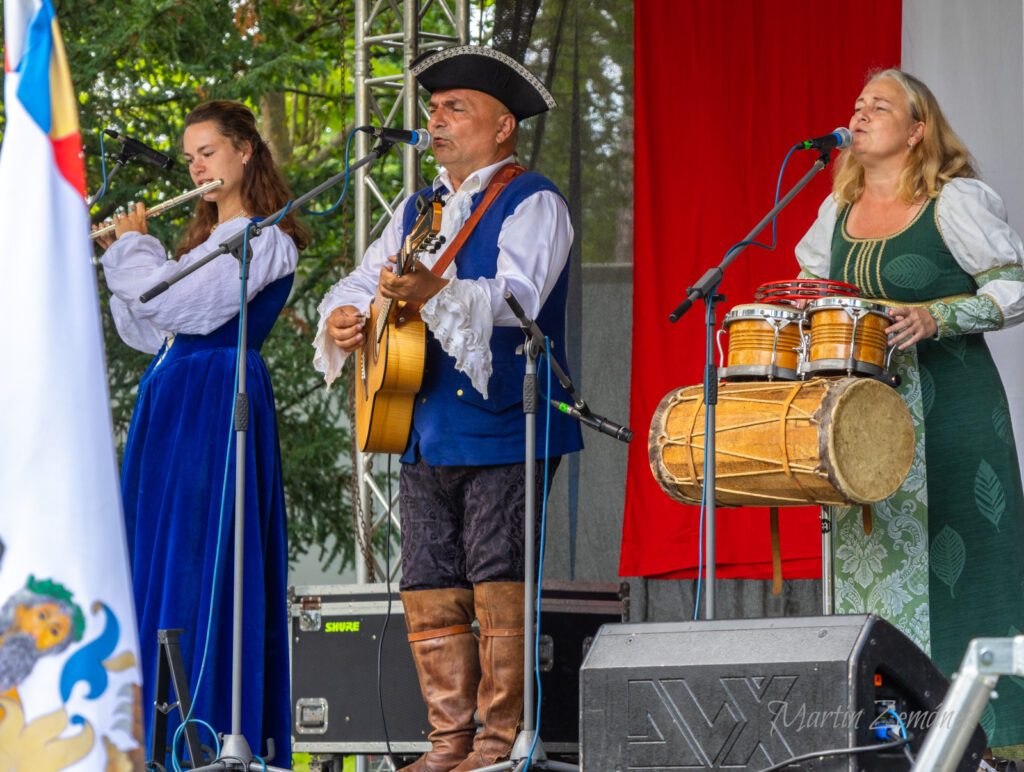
(444, 650)
(499, 702)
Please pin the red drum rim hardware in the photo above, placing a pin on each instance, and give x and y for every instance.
(788, 291)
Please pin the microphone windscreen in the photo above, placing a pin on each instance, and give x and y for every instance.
(423, 140)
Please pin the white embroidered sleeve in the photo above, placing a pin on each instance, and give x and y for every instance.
(972, 220)
(814, 252)
(202, 301)
(357, 289)
(460, 318)
(533, 247)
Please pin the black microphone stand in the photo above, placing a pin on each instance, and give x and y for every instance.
(704, 290)
(529, 737)
(235, 752)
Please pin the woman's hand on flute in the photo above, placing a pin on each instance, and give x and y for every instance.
(134, 219)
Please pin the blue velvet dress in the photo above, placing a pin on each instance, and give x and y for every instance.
(180, 450)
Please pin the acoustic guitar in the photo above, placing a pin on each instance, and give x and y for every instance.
(389, 365)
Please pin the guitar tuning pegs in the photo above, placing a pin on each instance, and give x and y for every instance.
(440, 239)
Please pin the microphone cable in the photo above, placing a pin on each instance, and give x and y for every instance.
(387, 617)
(540, 555)
(103, 169)
(836, 752)
(344, 188)
(218, 557)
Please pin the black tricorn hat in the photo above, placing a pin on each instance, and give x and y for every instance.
(486, 70)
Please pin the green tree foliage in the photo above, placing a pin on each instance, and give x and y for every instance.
(583, 51)
(141, 66)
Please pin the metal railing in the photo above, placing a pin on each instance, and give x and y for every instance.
(974, 683)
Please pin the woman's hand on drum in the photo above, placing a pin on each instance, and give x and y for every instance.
(911, 325)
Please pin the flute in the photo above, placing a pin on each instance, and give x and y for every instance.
(164, 206)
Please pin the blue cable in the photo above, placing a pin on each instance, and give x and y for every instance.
(259, 220)
(903, 727)
(778, 189)
(540, 559)
(177, 736)
(103, 167)
(220, 531)
(344, 189)
(707, 424)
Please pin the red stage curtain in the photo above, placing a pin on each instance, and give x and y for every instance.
(723, 89)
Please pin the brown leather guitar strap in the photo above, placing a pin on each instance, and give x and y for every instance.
(501, 178)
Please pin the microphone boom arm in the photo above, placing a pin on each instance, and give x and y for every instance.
(579, 409)
(234, 243)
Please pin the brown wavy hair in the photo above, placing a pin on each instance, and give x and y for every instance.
(939, 157)
(264, 190)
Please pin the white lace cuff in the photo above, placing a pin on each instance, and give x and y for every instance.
(461, 319)
(327, 357)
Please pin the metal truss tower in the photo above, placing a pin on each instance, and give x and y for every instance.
(383, 30)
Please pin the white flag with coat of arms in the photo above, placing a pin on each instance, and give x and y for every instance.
(69, 667)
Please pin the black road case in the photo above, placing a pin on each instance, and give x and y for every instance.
(335, 635)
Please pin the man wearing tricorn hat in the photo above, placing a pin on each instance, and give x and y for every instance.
(461, 489)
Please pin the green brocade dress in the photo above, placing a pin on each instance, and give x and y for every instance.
(945, 559)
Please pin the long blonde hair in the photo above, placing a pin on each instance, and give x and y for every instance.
(939, 157)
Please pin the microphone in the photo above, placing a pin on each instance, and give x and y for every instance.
(594, 421)
(419, 139)
(134, 147)
(837, 140)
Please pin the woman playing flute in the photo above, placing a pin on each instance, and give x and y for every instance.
(180, 445)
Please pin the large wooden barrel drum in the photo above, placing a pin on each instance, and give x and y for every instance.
(823, 441)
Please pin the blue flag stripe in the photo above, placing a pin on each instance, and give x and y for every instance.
(34, 88)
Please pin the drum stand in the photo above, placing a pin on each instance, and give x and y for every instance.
(528, 750)
(705, 289)
(828, 603)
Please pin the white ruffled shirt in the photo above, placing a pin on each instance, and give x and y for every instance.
(972, 219)
(533, 247)
(199, 303)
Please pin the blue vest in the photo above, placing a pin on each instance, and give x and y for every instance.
(452, 424)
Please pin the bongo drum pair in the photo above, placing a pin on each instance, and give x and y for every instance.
(832, 335)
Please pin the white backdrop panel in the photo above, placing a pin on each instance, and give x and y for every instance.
(972, 57)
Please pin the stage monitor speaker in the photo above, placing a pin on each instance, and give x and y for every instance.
(748, 694)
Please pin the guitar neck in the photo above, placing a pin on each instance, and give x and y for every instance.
(404, 260)
(424, 231)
